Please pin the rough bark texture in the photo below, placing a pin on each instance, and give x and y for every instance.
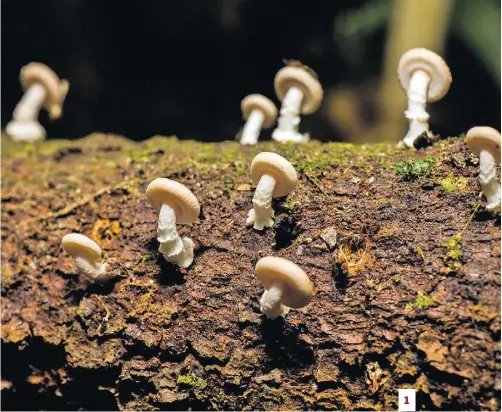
(389, 310)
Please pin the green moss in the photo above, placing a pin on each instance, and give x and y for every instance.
(410, 170)
(193, 381)
(422, 301)
(453, 253)
(421, 253)
(453, 184)
(146, 258)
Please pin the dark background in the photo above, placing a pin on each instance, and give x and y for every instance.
(141, 68)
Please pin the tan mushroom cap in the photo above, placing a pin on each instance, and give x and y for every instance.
(77, 245)
(484, 138)
(261, 103)
(292, 76)
(283, 172)
(56, 88)
(162, 191)
(297, 287)
(432, 64)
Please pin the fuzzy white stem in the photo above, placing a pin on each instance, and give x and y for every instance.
(185, 257)
(261, 215)
(289, 119)
(29, 106)
(95, 271)
(167, 235)
(174, 249)
(24, 125)
(270, 302)
(416, 113)
(488, 179)
(252, 128)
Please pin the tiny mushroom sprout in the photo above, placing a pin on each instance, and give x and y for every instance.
(485, 142)
(425, 77)
(87, 255)
(275, 177)
(42, 88)
(259, 112)
(286, 286)
(175, 204)
(299, 90)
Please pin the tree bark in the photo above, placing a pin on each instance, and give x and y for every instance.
(389, 310)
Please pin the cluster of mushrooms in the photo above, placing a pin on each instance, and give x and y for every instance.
(286, 284)
(424, 76)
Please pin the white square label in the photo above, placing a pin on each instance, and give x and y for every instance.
(407, 400)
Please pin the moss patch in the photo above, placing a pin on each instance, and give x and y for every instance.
(453, 184)
(410, 170)
(453, 253)
(193, 381)
(422, 301)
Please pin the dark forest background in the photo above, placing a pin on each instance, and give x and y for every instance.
(141, 68)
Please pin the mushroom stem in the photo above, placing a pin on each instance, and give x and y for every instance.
(24, 125)
(29, 106)
(416, 113)
(252, 128)
(167, 235)
(262, 213)
(92, 270)
(289, 119)
(174, 249)
(488, 179)
(270, 302)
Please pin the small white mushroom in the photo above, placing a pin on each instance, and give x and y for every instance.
(87, 255)
(175, 204)
(42, 88)
(286, 286)
(300, 92)
(275, 177)
(259, 112)
(485, 142)
(425, 77)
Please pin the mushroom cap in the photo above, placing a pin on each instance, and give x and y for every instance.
(77, 245)
(432, 64)
(297, 287)
(484, 138)
(56, 88)
(162, 191)
(293, 76)
(283, 172)
(261, 103)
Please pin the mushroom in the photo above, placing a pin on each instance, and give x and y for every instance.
(259, 112)
(485, 142)
(175, 204)
(299, 90)
(42, 87)
(425, 77)
(276, 177)
(87, 255)
(286, 286)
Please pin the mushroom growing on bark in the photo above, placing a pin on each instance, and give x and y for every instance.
(485, 142)
(425, 77)
(42, 88)
(87, 255)
(275, 177)
(175, 204)
(259, 112)
(299, 90)
(286, 286)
